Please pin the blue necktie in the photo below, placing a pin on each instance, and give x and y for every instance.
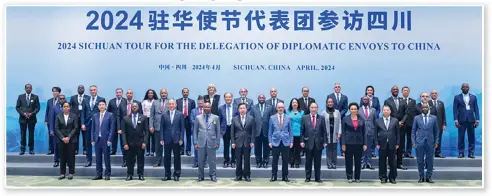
(134, 121)
(28, 99)
(206, 117)
(425, 119)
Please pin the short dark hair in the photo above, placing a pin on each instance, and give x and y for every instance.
(66, 102)
(353, 104)
(405, 87)
(58, 89)
(200, 97)
(25, 86)
(239, 105)
(184, 89)
(102, 100)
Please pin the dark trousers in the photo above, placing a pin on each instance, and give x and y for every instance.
(276, 151)
(187, 145)
(243, 153)
(88, 136)
(228, 147)
(408, 146)
(470, 130)
(331, 154)
(295, 151)
(101, 149)
(367, 155)
(353, 153)
(50, 140)
(438, 149)
(24, 127)
(114, 143)
(67, 157)
(151, 137)
(56, 151)
(159, 148)
(138, 152)
(425, 155)
(387, 154)
(316, 155)
(262, 150)
(79, 130)
(401, 150)
(174, 148)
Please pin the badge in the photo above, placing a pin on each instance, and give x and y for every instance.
(32, 100)
(80, 107)
(138, 122)
(214, 122)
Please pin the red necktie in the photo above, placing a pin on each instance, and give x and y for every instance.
(200, 110)
(185, 109)
(313, 122)
(128, 108)
(366, 112)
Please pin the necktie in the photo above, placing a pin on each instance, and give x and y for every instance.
(261, 110)
(92, 102)
(80, 99)
(435, 104)
(313, 121)
(228, 115)
(134, 121)
(162, 105)
(281, 121)
(406, 100)
(172, 117)
(366, 112)
(242, 120)
(118, 103)
(425, 119)
(274, 103)
(396, 102)
(185, 110)
(386, 123)
(55, 101)
(28, 99)
(338, 98)
(243, 100)
(100, 123)
(128, 108)
(206, 117)
(306, 102)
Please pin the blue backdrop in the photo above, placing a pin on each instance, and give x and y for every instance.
(33, 34)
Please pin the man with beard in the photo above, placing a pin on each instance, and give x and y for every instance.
(466, 118)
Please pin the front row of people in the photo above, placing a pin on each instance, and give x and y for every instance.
(316, 133)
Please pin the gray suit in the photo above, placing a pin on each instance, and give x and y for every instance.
(207, 134)
(369, 124)
(156, 112)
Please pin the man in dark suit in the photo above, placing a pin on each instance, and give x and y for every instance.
(102, 134)
(212, 98)
(56, 109)
(243, 93)
(77, 107)
(387, 141)
(243, 129)
(313, 140)
(226, 113)
(440, 113)
(172, 133)
(398, 110)
(49, 105)
(113, 107)
(305, 100)
(262, 112)
(134, 140)
(90, 109)
(27, 106)
(341, 104)
(273, 99)
(424, 139)
(125, 110)
(466, 118)
(410, 113)
(185, 105)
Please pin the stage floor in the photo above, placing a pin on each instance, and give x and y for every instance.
(185, 183)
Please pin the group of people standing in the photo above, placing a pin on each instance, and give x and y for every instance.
(159, 125)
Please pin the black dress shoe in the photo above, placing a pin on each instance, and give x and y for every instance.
(85, 152)
(265, 165)
(461, 155)
(429, 180)
(225, 164)
(70, 177)
(128, 178)
(21, 153)
(156, 165)
(439, 156)
(195, 165)
(49, 152)
(285, 179)
(259, 165)
(384, 180)
(401, 167)
(147, 154)
(357, 181)
(421, 179)
(188, 153)
(238, 178)
(181, 153)
(273, 179)
(247, 178)
(76, 152)
(370, 167)
(113, 153)
(307, 180)
(200, 179)
(31, 152)
(292, 166)
(318, 181)
(152, 154)
(363, 166)
(471, 156)
(56, 164)
(166, 178)
(124, 164)
(343, 154)
(61, 177)
(97, 178)
(373, 155)
(233, 165)
(213, 179)
(392, 181)
(141, 177)
(176, 178)
(334, 167)
(88, 164)
(297, 165)
(106, 178)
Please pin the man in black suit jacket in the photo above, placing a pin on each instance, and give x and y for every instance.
(123, 111)
(388, 139)
(27, 106)
(134, 139)
(410, 113)
(77, 107)
(313, 140)
(185, 105)
(49, 105)
(398, 111)
(113, 107)
(305, 98)
(212, 98)
(440, 113)
(243, 133)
